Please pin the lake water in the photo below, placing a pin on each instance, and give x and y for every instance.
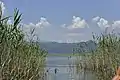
(65, 69)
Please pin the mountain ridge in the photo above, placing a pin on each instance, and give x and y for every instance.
(56, 47)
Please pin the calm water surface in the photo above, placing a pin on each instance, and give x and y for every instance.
(63, 68)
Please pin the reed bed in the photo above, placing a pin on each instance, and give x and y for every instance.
(105, 59)
(19, 59)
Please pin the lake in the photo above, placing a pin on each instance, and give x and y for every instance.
(64, 68)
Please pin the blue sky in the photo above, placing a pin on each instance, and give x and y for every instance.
(59, 11)
(66, 20)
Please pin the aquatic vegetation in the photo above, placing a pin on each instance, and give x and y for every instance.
(19, 60)
(105, 59)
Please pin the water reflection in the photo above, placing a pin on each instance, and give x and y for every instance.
(64, 68)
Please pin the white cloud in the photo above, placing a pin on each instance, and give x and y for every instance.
(2, 6)
(116, 24)
(106, 25)
(63, 25)
(77, 31)
(102, 23)
(27, 28)
(95, 19)
(43, 22)
(77, 22)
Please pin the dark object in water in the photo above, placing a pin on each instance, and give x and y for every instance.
(69, 57)
(55, 70)
(47, 71)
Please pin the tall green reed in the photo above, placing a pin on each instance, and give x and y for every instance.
(19, 59)
(105, 59)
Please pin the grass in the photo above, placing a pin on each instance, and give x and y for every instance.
(19, 60)
(105, 59)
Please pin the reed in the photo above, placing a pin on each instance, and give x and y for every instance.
(19, 59)
(106, 58)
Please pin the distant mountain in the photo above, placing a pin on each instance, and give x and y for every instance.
(55, 47)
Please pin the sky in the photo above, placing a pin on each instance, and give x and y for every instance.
(66, 20)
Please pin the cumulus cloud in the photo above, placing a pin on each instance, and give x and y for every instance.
(77, 22)
(116, 24)
(38, 27)
(43, 22)
(105, 25)
(2, 6)
(95, 19)
(101, 22)
(61, 33)
(76, 31)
